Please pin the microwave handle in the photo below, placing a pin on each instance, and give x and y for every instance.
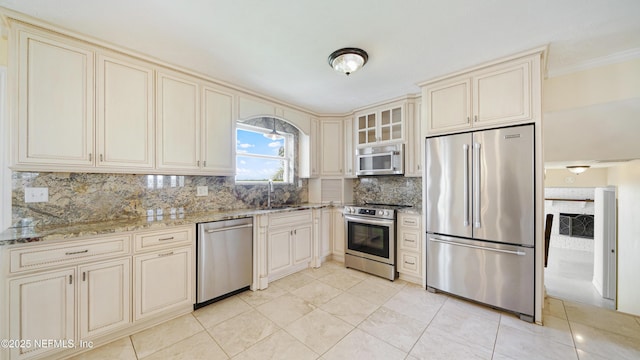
(391, 153)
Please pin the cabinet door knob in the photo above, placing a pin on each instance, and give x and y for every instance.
(101, 158)
(468, 120)
(90, 157)
(475, 118)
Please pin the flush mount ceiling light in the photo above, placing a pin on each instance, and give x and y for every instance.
(578, 169)
(273, 135)
(348, 60)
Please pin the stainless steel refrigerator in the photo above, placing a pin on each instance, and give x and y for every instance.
(480, 217)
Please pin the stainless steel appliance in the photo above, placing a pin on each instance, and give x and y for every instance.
(480, 217)
(370, 241)
(224, 259)
(380, 160)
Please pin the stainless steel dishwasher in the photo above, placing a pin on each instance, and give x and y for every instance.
(224, 259)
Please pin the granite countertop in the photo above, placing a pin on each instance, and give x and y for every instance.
(35, 234)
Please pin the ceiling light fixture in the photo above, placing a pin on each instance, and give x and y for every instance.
(273, 135)
(348, 60)
(578, 169)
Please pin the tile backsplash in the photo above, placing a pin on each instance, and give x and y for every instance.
(83, 197)
(397, 190)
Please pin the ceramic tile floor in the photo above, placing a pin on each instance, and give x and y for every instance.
(569, 275)
(337, 313)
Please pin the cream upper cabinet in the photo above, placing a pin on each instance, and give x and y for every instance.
(177, 121)
(331, 147)
(380, 125)
(194, 125)
(124, 132)
(495, 95)
(414, 147)
(218, 136)
(314, 153)
(250, 107)
(55, 99)
(349, 149)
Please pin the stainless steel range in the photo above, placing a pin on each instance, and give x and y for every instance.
(371, 239)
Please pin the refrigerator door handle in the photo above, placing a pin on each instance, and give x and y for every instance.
(519, 253)
(465, 150)
(476, 185)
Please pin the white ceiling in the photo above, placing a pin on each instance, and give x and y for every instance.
(279, 47)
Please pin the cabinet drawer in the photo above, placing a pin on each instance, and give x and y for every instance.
(72, 252)
(410, 263)
(409, 221)
(163, 238)
(293, 218)
(409, 240)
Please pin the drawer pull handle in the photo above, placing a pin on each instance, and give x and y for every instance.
(77, 252)
(70, 279)
(409, 240)
(409, 263)
(165, 239)
(166, 254)
(410, 222)
(84, 276)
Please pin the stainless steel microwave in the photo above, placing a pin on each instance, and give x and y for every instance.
(380, 160)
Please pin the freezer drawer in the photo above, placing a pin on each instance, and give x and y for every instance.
(494, 274)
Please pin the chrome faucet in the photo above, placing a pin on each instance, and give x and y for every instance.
(269, 192)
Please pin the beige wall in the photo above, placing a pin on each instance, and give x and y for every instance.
(600, 85)
(3, 51)
(596, 177)
(627, 180)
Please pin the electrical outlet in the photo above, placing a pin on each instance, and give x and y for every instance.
(34, 195)
(202, 191)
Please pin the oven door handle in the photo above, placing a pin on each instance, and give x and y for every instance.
(368, 221)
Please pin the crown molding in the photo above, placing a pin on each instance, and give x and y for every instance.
(614, 58)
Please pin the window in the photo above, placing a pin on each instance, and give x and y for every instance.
(260, 159)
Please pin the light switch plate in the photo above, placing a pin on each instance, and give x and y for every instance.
(36, 194)
(202, 191)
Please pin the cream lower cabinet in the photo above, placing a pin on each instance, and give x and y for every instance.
(42, 307)
(337, 252)
(163, 281)
(93, 289)
(410, 248)
(105, 297)
(289, 243)
(163, 271)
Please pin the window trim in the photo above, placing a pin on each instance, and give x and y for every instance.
(289, 158)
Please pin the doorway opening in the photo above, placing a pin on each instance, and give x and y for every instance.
(581, 264)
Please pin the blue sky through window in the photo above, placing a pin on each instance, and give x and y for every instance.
(250, 168)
